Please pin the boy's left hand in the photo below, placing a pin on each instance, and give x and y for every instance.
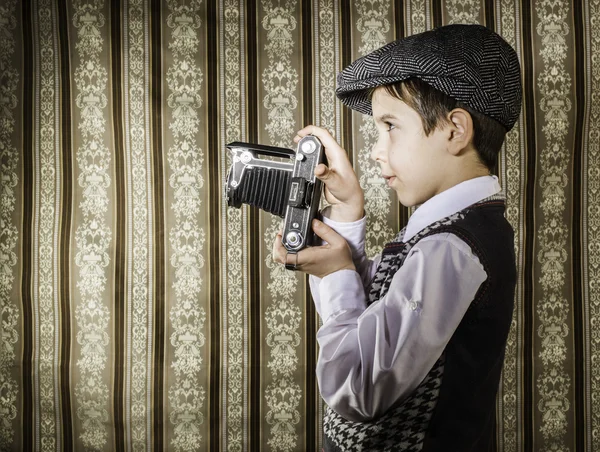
(319, 261)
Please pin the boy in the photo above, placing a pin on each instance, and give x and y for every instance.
(412, 343)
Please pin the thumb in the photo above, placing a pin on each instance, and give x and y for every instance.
(323, 172)
(327, 233)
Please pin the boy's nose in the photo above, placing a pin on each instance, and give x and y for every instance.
(377, 151)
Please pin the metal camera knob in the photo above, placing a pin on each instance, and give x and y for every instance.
(293, 238)
(308, 147)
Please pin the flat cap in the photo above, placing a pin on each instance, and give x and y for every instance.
(469, 63)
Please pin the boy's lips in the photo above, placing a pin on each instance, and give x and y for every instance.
(389, 179)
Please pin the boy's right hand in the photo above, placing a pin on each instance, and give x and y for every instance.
(342, 189)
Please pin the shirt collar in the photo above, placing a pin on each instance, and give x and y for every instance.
(449, 202)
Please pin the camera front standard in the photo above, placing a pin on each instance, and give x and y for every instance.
(279, 181)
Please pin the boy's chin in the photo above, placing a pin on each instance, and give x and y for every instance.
(407, 200)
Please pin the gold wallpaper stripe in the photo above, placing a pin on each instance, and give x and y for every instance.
(9, 233)
(591, 224)
(234, 280)
(281, 388)
(185, 84)
(93, 233)
(417, 16)
(140, 241)
(463, 12)
(45, 234)
(139, 312)
(553, 381)
(161, 292)
(512, 178)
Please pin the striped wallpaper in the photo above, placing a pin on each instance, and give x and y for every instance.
(139, 312)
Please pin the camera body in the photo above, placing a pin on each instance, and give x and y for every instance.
(286, 188)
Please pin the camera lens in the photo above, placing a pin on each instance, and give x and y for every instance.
(293, 238)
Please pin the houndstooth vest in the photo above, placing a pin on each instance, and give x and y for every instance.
(403, 427)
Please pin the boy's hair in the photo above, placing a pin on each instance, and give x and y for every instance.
(433, 106)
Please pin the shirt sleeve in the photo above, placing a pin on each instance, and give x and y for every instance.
(354, 234)
(369, 358)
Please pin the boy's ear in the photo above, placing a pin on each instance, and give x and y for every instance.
(460, 130)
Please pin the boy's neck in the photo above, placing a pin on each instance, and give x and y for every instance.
(461, 174)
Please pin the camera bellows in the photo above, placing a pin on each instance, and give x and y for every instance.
(264, 188)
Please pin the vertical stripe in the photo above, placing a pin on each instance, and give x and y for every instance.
(47, 199)
(127, 200)
(234, 296)
(215, 196)
(93, 235)
(461, 12)
(156, 145)
(186, 156)
(245, 363)
(255, 316)
(139, 240)
(150, 224)
(120, 262)
(139, 225)
(579, 372)
(553, 379)
(529, 84)
(436, 13)
(29, 68)
(346, 58)
(64, 247)
(35, 230)
(10, 181)
(282, 316)
(53, 316)
(488, 14)
(591, 217)
(399, 19)
(254, 262)
(225, 224)
(310, 98)
(512, 171)
(311, 398)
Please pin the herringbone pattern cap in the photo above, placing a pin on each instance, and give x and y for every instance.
(469, 63)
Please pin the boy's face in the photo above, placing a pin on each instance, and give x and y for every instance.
(414, 165)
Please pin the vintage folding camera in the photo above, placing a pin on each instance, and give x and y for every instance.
(286, 187)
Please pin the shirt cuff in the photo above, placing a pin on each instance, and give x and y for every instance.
(341, 291)
(353, 232)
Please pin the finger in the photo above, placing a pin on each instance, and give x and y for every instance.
(327, 233)
(322, 171)
(331, 179)
(293, 259)
(279, 250)
(333, 151)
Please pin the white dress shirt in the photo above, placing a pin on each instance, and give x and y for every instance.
(371, 357)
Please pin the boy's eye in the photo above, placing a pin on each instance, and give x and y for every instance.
(389, 126)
